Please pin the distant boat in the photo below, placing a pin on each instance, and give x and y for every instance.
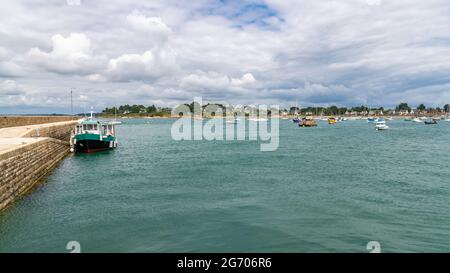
(418, 120)
(232, 121)
(332, 120)
(381, 125)
(408, 119)
(115, 122)
(372, 120)
(307, 122)
(296, 120)
(258, 119)
(428, 122)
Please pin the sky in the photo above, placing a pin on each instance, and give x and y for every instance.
(283, 52)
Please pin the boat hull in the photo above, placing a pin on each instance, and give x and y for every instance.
(91, 146)
(307, 123)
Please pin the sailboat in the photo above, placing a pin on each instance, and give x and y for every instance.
(115, 121)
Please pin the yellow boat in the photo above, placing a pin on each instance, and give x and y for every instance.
(332, 120)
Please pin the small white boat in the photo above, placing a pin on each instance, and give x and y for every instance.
(232, 121)
(418, 120)
(258, 119)
(381, 125)
(115, 122)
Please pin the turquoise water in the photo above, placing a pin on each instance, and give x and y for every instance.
(326, 189)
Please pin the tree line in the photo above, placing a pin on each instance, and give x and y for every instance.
(136, 109)
(152, 110)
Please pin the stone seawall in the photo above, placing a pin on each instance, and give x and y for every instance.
(24, 167)
(14, 121)
(28, 154)
(57, 131)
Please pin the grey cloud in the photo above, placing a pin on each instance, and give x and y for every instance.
(351, 52)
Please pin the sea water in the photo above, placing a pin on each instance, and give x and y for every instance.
(332, 188)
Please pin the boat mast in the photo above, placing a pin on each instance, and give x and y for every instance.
(71, 101)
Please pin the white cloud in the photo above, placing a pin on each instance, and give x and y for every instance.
(69, 55)
(373, 2)
(205, 80)
(216, 84)
(145, 24)
(10, 88)
(96, 78)
(73, 2)
(3, 53)
(244, 80)
(350, 52)
(158, 62)
(8, 68)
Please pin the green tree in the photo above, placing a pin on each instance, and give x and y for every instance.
(403, 106)
(151, 109)
(421, 107)
(293, 110)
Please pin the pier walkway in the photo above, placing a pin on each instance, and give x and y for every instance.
(14, 137)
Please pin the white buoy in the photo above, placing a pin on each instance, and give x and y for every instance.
(72, 150)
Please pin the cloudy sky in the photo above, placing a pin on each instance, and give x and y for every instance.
(348, 52)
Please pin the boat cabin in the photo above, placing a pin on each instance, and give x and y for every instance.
(95, 127)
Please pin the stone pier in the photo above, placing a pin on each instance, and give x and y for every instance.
(29, 153)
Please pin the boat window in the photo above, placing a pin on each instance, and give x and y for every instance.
(89, 127)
